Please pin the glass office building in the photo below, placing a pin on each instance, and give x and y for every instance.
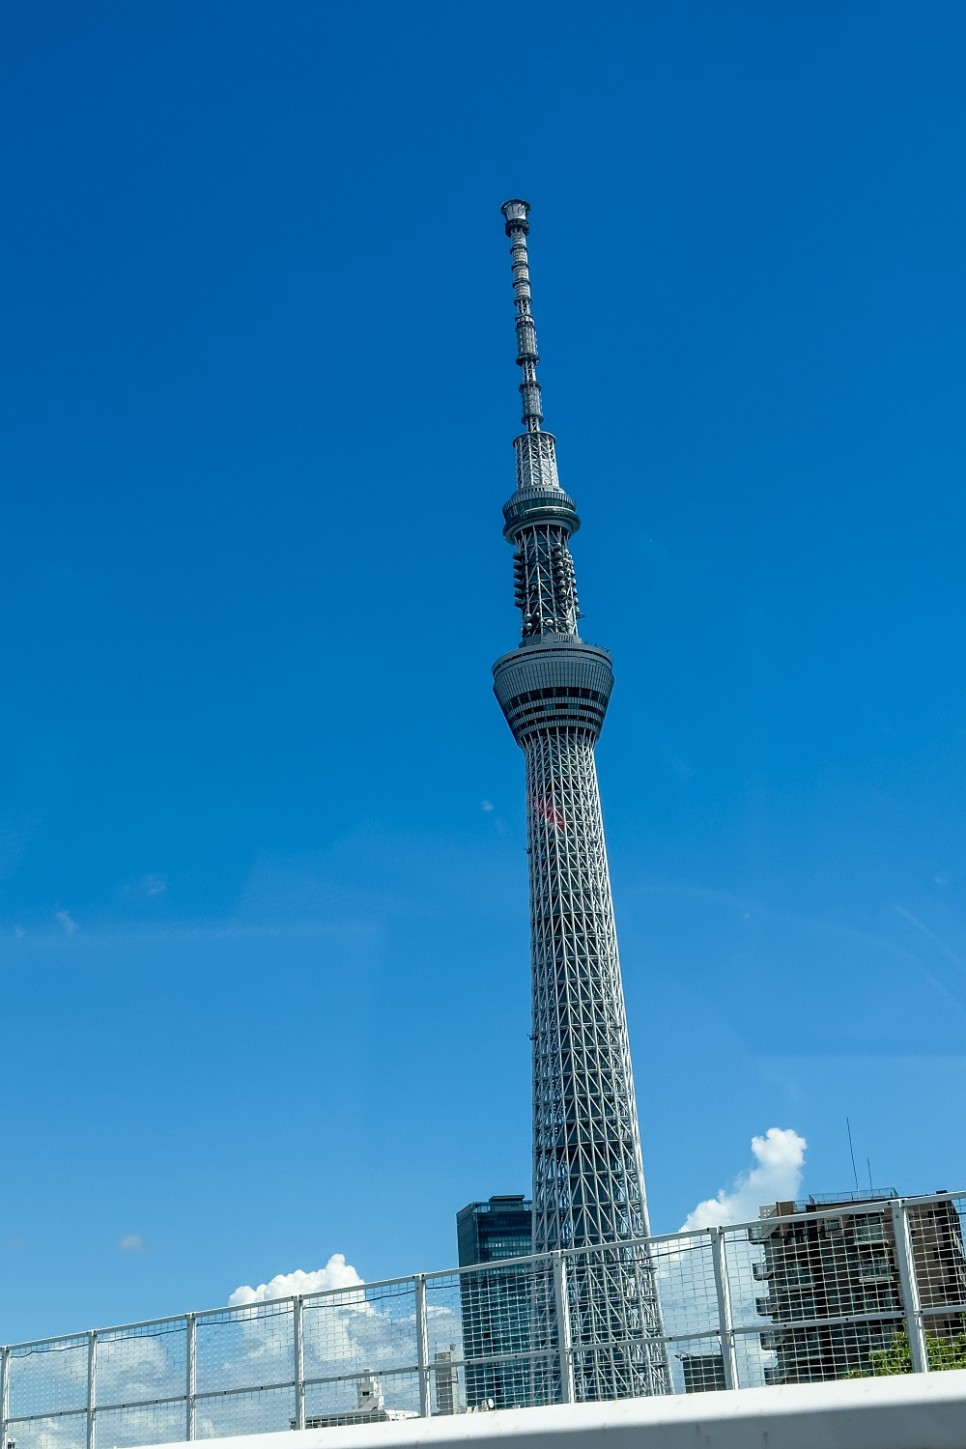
(496, 1307)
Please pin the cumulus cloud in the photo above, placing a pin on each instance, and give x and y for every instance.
(777, 1177)
(132, 1243)
(344, 1334)
(357, 1329)
(337, 1273)
(684, 1265)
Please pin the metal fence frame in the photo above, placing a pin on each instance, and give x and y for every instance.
(55, 1425)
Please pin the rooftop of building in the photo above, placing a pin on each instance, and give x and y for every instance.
(821, 1200)
(498, 1203)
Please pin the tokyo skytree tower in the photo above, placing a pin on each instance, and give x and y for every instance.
(588, 1180)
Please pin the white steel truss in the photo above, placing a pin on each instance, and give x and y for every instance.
(588, 1180)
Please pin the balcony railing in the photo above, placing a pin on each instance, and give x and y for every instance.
(518, 1332)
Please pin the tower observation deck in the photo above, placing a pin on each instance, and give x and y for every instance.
(588, 1180)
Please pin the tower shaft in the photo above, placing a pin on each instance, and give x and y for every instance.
(588, 1181)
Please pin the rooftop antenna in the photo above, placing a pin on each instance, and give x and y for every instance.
(848, 1129)
(868, 1168)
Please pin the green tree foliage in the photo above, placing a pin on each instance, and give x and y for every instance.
(942, 1353)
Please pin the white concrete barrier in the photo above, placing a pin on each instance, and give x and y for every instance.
(909, 1411)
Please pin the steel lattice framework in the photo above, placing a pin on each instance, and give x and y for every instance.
(588, 1181)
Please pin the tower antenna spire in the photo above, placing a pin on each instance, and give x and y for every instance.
(536, 450)
(517, 229)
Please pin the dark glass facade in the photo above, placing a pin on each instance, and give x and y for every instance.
(496, 1307)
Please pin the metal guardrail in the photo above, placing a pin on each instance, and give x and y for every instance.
(796, 1296)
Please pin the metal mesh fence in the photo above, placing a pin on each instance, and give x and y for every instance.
(806, 1293)
(47, 1378)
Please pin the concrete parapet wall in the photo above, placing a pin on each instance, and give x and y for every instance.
(911, 1411)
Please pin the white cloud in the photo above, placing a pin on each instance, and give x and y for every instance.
(780, 1157)
(353, 1330)
(132, 1243)
(337, 1273)
(67, 921)
(486, 806)
(684, 1270)
(154, 885)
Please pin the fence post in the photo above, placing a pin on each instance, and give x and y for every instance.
(564, 1340)
(4, 1395)
(422, 1346)
(726, 1328)
(191, 1385)
(910, 1288)
(91, 1387)
(299, 1362)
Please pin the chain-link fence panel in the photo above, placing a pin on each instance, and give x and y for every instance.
(936, 1234)
(45, 1392)
(145, 1363)
(245, 1348)
(685, 1279)
(484, 1341)
(354, 1339)
(618, 1347)
(445, 1346)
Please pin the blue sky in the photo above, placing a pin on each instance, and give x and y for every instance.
(263, 923)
